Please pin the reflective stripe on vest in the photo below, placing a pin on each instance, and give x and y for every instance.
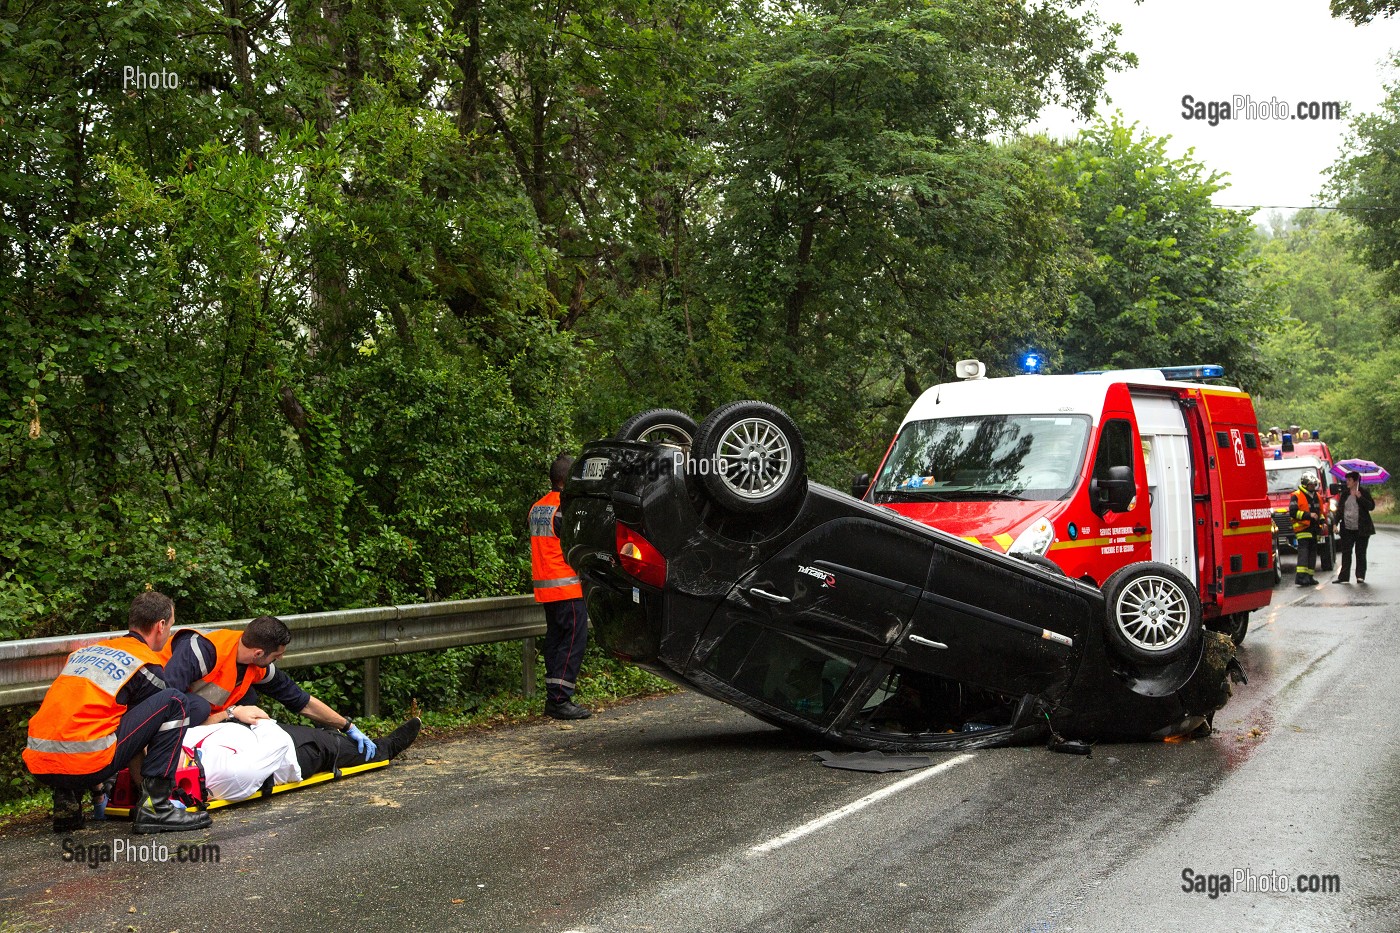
(552, 576)
(75, 729)
(220, 685)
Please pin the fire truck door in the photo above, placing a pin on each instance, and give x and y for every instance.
(1167, 454)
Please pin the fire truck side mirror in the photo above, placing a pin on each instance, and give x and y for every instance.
(860, 485)
(1115, 493)
(1335, 489)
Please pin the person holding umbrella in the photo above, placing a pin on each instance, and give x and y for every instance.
(1354, 506)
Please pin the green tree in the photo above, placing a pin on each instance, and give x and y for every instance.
(1365, 180)
(1334, 319)
(864, 230)
(1172, 278)
(1361, 12)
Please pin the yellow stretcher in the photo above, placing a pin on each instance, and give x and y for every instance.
(319, 778)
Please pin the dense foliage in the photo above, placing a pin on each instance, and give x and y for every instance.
(301, 297)
(1172, 278)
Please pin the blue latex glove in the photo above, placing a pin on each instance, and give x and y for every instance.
(367, 748)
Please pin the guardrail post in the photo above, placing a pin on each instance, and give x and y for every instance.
(527, 666)
(371, 686)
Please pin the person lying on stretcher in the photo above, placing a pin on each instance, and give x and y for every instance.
(239, 759)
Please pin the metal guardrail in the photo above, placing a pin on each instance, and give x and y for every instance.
(28, 667)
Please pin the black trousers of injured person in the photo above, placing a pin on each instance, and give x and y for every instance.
(320, 750)
(157, 724)
(565, 637)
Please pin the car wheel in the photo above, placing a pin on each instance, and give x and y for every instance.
(1233, 626)
(752, 458)
(658, 426)
(1041, 561)
(1278, 569)
(1154, 614)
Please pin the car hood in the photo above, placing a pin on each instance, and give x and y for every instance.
(994, 524)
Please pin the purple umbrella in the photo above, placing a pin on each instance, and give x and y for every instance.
(1371, 473)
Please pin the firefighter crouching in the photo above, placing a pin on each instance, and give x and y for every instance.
(108, 705)
(1305, 508)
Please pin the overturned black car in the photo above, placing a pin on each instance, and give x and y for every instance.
(707, 557)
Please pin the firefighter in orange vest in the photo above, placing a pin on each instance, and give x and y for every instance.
(1305, 508)
(109, 703)
(228, 667)
(557, 587)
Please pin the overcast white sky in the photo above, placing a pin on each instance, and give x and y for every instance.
(1215, 49)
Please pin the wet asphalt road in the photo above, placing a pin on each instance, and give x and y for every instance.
(646, 818)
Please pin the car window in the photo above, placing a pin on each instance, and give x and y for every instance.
(1115, 447)
(908, 702)
(789, 673)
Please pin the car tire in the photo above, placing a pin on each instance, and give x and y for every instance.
(1278, 567)
(1041, 561)
(1153, 613)
(1233, 626)
(659, 426)
(753, 457)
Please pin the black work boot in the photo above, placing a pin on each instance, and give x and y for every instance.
(393, 744)
(157, 814)
(566, 709)
(67, 811)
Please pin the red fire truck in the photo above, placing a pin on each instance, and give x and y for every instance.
(1092, 472)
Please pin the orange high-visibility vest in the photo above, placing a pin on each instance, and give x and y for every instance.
(554, 579)
(221, 686)
(1303, 523)
(75, 730)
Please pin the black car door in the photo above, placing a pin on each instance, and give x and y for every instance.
(851, 581)
(792, 632)
(992, 622)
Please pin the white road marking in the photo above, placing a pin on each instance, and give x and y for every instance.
(777, 842)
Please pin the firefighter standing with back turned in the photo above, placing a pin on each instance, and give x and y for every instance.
(558, 588)
(1305, 508)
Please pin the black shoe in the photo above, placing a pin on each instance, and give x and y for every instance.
(156, 814)
(1307, 581)
(1345, 580)
(566, 710)
(67, 811)
(393, 744)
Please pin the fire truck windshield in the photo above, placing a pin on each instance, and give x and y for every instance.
(1287, 479)
(985, 457)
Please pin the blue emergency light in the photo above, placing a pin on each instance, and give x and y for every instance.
(1032, 362)
(1205, 371)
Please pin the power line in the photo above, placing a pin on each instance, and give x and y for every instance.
(1309, 207)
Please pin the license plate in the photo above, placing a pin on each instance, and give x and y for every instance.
(595, 468)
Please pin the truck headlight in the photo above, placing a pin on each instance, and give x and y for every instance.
(1034, 540)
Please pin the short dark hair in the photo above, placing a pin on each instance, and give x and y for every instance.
(559, 470)
(267, 633)
(1354, 474)
(148, 608)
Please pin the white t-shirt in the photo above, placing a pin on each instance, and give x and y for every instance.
(237, 758)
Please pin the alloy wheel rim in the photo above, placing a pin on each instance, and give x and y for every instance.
(672, 434)
(757, 457)
(1153, 613)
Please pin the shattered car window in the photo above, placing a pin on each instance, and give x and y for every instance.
(991, 456)
(782, 671)
(910, 702)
